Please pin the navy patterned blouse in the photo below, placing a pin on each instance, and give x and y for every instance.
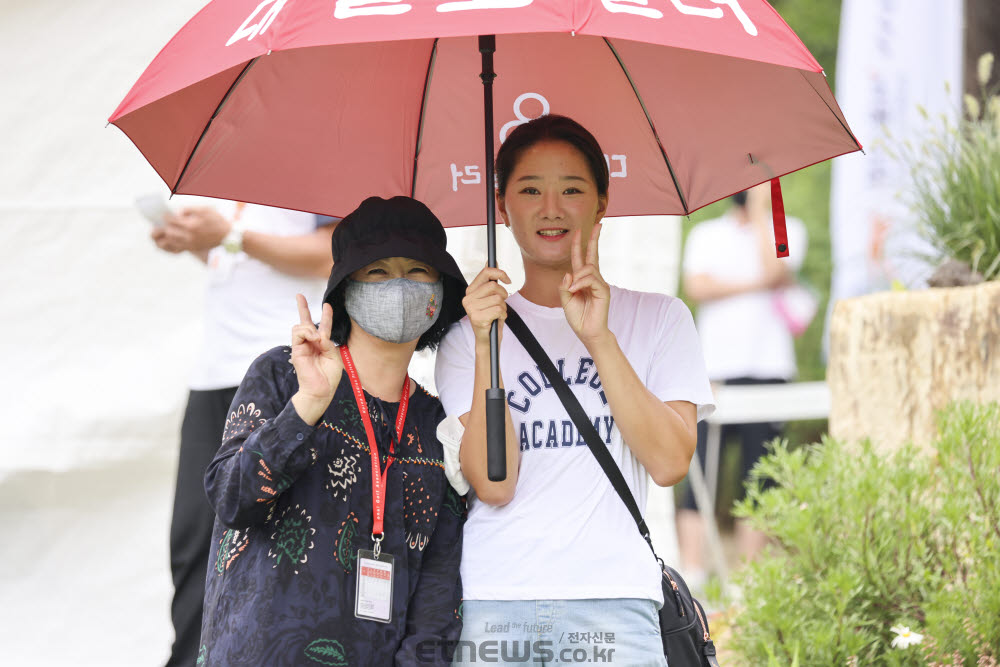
(293, 506)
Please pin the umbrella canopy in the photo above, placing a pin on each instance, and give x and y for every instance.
(314, 105)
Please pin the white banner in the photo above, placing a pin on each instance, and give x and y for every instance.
(893, 56)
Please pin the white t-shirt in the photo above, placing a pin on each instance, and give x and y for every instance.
(743, 335)
(566, 534)
(249, 305)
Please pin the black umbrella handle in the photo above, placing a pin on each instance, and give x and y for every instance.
(496, 437)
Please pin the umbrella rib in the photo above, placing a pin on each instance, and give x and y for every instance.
(835, 115)
(204, 130)
(652, 127)
(420, 122)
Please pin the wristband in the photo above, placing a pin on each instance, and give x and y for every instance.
(233, 241)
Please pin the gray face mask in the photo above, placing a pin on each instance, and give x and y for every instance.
(396, 311)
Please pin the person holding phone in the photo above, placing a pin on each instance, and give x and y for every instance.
(337, 537)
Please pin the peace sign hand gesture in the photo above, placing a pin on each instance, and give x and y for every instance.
(317, 362)
(584, 295)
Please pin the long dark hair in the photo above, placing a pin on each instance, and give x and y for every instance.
(551, 128)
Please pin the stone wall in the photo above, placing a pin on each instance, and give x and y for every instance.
(896, 358)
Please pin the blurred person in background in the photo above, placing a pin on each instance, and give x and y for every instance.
(731, 272)
(258, 259)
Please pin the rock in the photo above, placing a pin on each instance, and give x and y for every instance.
(954, 273)
(896, 358)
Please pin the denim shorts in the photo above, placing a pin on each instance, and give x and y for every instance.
(616, 631)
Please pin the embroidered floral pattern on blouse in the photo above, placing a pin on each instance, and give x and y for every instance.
(327, 652)
(416, 540)
(418, 512)
(343, 474)
(348, 411)
(243, 420)
(270, 488)
(409, 441)
(232, 544)
(346, 554)
(292, 538)
(363, 446)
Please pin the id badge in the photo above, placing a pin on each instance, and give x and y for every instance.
(373, 601)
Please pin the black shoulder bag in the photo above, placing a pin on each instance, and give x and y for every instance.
(683, 626)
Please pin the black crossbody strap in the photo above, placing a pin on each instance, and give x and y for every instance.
(579, 417)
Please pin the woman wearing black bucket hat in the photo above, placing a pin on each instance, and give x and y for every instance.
(403, 228)
(337, 536)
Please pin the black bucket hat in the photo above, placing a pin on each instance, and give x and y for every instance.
(397, 227)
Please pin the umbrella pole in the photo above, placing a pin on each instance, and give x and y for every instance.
(496, 436)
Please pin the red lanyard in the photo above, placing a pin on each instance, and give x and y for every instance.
(378, 477)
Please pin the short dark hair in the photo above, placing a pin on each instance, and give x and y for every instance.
(551, 127)
(451, 312)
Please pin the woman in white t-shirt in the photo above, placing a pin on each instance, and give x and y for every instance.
(553, 567)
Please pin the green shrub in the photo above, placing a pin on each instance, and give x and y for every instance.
(955, 174)
(864, 541)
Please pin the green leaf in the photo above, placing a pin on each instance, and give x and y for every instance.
(327, 652)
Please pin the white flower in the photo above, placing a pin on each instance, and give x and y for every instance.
(904, 637)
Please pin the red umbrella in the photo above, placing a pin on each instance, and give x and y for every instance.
(313, 104)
